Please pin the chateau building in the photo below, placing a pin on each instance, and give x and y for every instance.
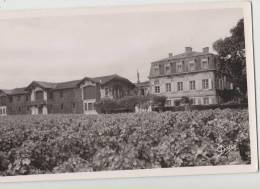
(192, 74)
(76, 96)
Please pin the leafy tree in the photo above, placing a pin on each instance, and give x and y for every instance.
(231, 51)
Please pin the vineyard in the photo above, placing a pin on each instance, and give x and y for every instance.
(82, 143)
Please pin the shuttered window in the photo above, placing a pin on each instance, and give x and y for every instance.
(168, 87)
(206, 100)
(89, 92)
(39, 95)
(205, 83)
(157, 89)
(180, 86)
(192, 85)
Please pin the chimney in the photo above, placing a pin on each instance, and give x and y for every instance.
(170, 55)
(188, 49)
(205, 49)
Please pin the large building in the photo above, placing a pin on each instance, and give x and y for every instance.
(76, 96)
(191, 74)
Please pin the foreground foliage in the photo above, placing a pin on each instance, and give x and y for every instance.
(75, 143)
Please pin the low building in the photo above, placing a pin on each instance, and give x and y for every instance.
(143, 88)
(75, 97)
(192, 74)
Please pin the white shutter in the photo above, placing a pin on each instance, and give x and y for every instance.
(210, 100)
(210, 83)
(184, 83)
(198, 84)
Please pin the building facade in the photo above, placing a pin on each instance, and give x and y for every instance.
(143, 88)
(76, 97)
(191, 74)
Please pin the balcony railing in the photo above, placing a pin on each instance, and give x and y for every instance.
(37, 102)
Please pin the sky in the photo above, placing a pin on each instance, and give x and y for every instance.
(63, 48)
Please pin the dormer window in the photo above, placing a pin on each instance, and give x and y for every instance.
(156, 69)
(167, 69)
(205, 63)
(192, 65)
(179, 67)
(156, 82)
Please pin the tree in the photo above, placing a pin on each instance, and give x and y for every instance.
(231, 51)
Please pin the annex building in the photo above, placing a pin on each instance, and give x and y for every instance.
(192, 74)
(76, 96)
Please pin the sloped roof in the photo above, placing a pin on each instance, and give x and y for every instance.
(65, 85)
(184, 55)
(47, 85)
(143, 84)
(15, 91)
(105, 79)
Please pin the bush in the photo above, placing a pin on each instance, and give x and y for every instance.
(74, 143)
(128, 103)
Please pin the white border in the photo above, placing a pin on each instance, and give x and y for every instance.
(253, 167)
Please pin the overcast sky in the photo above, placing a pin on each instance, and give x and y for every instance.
(72, 47)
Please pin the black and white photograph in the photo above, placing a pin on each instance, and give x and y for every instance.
(127, 91)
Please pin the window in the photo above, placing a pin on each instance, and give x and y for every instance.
(168, 102)
(168, 87)
(61, 107)
(157, 89)
(90, 106)
(192, 66)
(205, 83)
(156, 82)
(156, 69)
(18, 98)
(206, 100)
(192, 85)
(205, 64)
(167, 69)
(19, 109)
(50, 95)
(179, 86)
(61, 94)
(179, 67)
(106, 91)
(73, 105)
(89, 92)
(39, 95)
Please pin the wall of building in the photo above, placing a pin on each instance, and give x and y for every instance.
(124, 88)
(197, 94)
(65, 101)
(18, 105)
